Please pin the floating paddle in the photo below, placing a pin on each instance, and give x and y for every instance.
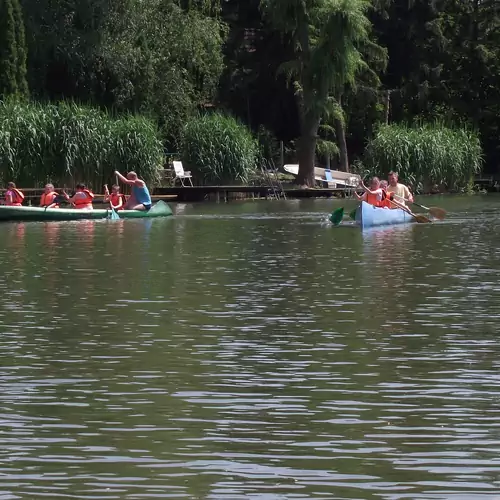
(418, 217)
(337, 215)
(436, 212)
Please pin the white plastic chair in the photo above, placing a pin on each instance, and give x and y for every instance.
(180, 174)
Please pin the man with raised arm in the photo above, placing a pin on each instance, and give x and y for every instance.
(140, 199)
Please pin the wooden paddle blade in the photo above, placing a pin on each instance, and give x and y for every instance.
(437, 213)
(337, 216)
(421, 218)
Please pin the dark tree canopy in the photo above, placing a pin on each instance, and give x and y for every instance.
(301, 72)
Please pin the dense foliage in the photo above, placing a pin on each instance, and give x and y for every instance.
(12, 50)
(320, 75)
(218, 149)
(426, 156)
(153, 57)
(66, 144)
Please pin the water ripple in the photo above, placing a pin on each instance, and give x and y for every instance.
(251, 352)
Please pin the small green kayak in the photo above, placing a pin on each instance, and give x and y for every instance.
(8, 213)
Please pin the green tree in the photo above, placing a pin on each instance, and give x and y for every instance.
(444, 62)
(327, 36)
(12, 50)
(470, 62)
(21, 72)
(163, 60)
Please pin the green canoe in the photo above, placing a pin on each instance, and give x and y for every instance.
(7, 213)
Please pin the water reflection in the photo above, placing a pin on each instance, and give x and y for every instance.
(236, 357)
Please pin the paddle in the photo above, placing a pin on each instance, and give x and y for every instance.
(436, 212)
(67, 197)
(114, 215)
(418, 217)
(352, 214)
(337, 215)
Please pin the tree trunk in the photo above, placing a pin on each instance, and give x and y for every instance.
(344, 159)
(306, 150)
(387, 106)
(340, 132)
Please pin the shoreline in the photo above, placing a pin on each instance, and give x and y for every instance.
(247, 192)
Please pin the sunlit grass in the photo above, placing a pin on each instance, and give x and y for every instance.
(218, 149)
(426, 155)
(67, 143)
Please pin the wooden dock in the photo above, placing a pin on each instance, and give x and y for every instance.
(32, 196)
(210, 193)
(227, 193)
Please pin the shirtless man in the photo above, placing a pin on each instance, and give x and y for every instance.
(401, 192)
(140, 199)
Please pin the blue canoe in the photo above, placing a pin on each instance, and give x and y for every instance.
(369, 216)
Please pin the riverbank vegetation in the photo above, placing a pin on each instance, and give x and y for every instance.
(218, 149)
(321, 76)
(429, 156)
(66, 144)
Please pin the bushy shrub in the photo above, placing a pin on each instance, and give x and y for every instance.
(70, 143)
(218, 149)
(426, 154)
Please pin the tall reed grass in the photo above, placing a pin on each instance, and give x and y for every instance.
(67, 143)
(219, 149)
(426, 154)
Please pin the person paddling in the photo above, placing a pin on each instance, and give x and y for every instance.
(13, 197)
(140, 199)
(82, 199)
(49, 198)
(386, 197)
(372, 195)
(401, 192)
(116, 199)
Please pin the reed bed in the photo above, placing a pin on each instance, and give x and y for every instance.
(219, 149)
(66, 143)
(426, 155)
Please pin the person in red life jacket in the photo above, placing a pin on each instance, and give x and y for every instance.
(372, 195)
(49, 198)
(116, 199)
(82, 199)
(386, 197)
(13, 197)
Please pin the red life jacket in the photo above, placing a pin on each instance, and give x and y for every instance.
(47, 199)
(17, 197)
(86, 202)
(386, 199)
(372, 199)
(114, 199)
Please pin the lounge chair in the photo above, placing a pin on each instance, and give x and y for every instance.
(181, 174)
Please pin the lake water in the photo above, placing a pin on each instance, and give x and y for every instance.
(252, 350)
